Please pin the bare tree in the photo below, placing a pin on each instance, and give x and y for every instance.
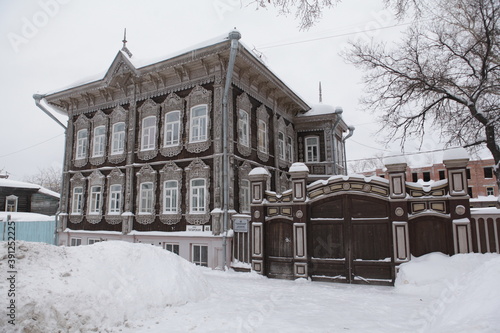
(445, 72)
(49, 178)
(367, 164)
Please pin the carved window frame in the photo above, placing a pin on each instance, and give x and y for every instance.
(290, 143)
(99, 120)
(263, 147)
(281, 144)
(243, 105)
(82, 123)
(243, 172)
(119, 115)
(148, 109)
(197, 169)
(199, 96)
(115, 177)
(171, 172)
(172, 103)
(306, 149)
(13, 198)
(96, 178)
(145, 175)
(78, 180)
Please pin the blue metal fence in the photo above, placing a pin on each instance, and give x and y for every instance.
(31, 231)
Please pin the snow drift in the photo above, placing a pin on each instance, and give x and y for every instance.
(91, 288)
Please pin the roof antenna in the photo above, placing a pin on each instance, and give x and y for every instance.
(124, 47)
(320, 93)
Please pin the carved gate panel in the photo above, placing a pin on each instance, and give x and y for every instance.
(279, 248)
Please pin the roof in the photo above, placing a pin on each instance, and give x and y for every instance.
(17, 184)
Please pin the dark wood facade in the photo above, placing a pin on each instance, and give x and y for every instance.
(27, 198)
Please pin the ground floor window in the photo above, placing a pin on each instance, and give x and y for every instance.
(75, 241)
(490, 191)
(91, 241)
(200, 255)
(171, 247)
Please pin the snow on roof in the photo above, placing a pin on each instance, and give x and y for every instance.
(321, 109)
(25, 217)
(259, 171)
(17, 184)
(458, 153)
(298, 167)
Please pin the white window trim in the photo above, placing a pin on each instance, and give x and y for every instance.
(307, 146)
(170, 126)
(173, 203)
(200, 262)
(115, 196)
(75, 201)
(91, 241)
(289, 147)
(95, 201)
(246, 196)
(244, 128)
(118, 139)
(202, 127)
(81, 144)
(11, 197)
(202, 207)
(281, 146)
(262, 133)
(75, 239)
(141, 197)
(99, 141)
(151, 134)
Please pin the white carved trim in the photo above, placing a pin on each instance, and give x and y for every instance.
(197, 169)
(243, 103)
(170, 172)
(172, 103)
(147, 109)
(264, 116)
(115, 177)
(199, 95)
(81, 123)
(118, 115)
(99, 119)
(78, 180)
(145, 174)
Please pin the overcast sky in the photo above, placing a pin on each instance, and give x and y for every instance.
(49, 44)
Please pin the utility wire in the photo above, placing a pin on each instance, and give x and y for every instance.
(402, 154)
(36, 144)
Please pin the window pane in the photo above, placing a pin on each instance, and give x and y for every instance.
(148, 133)
(81, 144)
(118, 138)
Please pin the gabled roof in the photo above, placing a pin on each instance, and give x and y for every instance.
(37, 188)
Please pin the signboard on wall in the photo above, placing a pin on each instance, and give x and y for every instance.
(240, 225)
(194, 228)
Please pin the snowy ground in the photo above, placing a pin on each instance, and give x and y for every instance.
(124, 287)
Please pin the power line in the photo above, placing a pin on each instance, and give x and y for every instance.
(403, 154)
(36, 144)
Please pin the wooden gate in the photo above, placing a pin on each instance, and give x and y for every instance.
(350, 240)
(279, 249)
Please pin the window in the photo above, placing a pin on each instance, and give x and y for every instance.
(469, 191)
(197, 205)
(382, 175)
(467, 172)
(95, 200)
(170, 192)
(172, 126)
(490, 191)
(442, 174)
(11, 203)
(488, 172)
(414, 177)
(171, 247)
(312, 149)
(281, 145)
(99, 141)
(289, 148)
(118, 139)
(148, 133)
(243, 128)
(76, 207)
(115, 199)
(245, 196)
(198, 128)
(262, 136)
(91, 241)
(75, 241)
(146, 198)
(81, 144)
(427, 176)
(200, 255)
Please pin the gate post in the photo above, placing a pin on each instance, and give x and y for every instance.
(258, 178)
(455, 161)
(299, 173)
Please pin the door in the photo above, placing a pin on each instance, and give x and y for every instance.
(279, 249)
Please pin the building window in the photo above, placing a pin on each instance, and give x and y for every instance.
(262, 136)
(148, 133)
(469, 191)
(281, 145)
(99, 141)
(172, 128)
(197, 196)
(11, 203)
(490, 191)
(442, 174)
(427, 176)
(488, 172)
(198, 128)
(75, 241)
(95, 200)
(467, 172)
(76, 207)
(243, 128)
(118, 139)
(170, 195)
(146, 198)
(245, 196)
(174, 248)
(289, 149)
(200, 255)
(81, 144)
(414, 177)
(91, 241)
(115, 199)
(312, 149)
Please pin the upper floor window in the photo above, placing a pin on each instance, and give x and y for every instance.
(172, 128)
(281, 145)
(312, 149)
(262, 136)
(245, 196)
(11, 203)
(76, 205)
(115, 199)
(118, 138)
(289, 149)
(243, 128)
(146, 198)
(95, 200)
(170, 197)
(197, 196)
(198, 126)
(488, 172)
(148, 133)
(81, 144)
(99, 141)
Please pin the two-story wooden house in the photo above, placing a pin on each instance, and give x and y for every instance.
(159, 152)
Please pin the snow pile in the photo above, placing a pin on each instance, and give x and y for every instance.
(25, 217)
(462, 289)
(95, 287)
